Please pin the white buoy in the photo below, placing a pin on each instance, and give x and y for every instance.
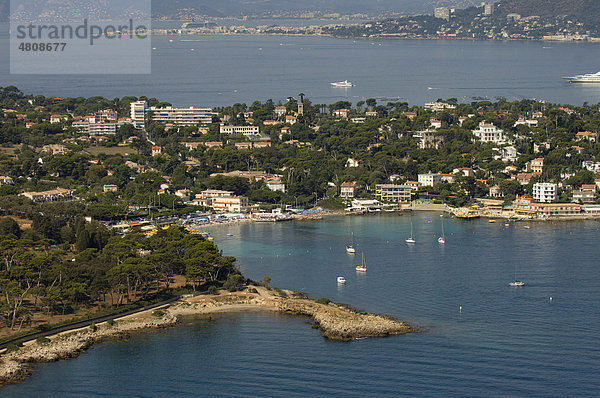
(460, 308)
(550, 299)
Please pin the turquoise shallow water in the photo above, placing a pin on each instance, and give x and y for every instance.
(505, 342)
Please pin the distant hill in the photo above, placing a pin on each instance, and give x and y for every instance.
(586, 11)
(247, 7)
(232, 8)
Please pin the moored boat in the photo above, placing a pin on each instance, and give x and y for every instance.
(363, 266)
(350, 248)
(410, 240)
(516, 282)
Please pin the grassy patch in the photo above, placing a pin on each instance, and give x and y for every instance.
(332, 204)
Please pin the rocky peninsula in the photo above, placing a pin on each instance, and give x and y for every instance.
(335, 321)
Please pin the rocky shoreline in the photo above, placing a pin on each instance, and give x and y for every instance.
(339, 322)
(335, 321)
(15, 366)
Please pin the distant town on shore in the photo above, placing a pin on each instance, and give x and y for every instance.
(507, 20)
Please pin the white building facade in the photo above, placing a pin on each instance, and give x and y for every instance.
(487, 132)
(180, 116)
(544, 192)
(429, 179)
(245, 130)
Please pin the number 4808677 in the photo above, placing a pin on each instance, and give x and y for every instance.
(42, 46)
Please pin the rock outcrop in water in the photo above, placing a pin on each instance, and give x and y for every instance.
(336, 321)
(339, 322)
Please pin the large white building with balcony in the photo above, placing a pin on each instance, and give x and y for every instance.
(545, 192)
(393, 193)
(224, 201)
(487, 132)
(180, 116)
(138, 113)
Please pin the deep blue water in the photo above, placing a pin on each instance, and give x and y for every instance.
(505, 342)
(223, 70)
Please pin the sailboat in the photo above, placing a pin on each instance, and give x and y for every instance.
(363, 266)
(442, 239)
(411, 239)
(517, 283)
(350, 248)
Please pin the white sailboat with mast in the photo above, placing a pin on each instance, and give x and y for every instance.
(363, 266)
(442, 239)
(350, 248)
(410, 240)
(516, 282)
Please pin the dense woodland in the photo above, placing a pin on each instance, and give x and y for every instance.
(93, 268)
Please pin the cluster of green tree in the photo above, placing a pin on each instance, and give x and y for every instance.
(384, 145)
(39, 108)
(97, 268)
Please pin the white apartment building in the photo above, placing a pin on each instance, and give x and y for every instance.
(234, 204)
(97, 128)
(245, 130)
(180, 116)
(487, 132)
(544, 192)
(429, 179)
(393, 193)
(138, 113)
(224, 201)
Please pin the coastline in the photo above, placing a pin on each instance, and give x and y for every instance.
(335, 321)
(379, 37)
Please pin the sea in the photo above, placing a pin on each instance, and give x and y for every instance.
(217, 71)
(480, 337)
